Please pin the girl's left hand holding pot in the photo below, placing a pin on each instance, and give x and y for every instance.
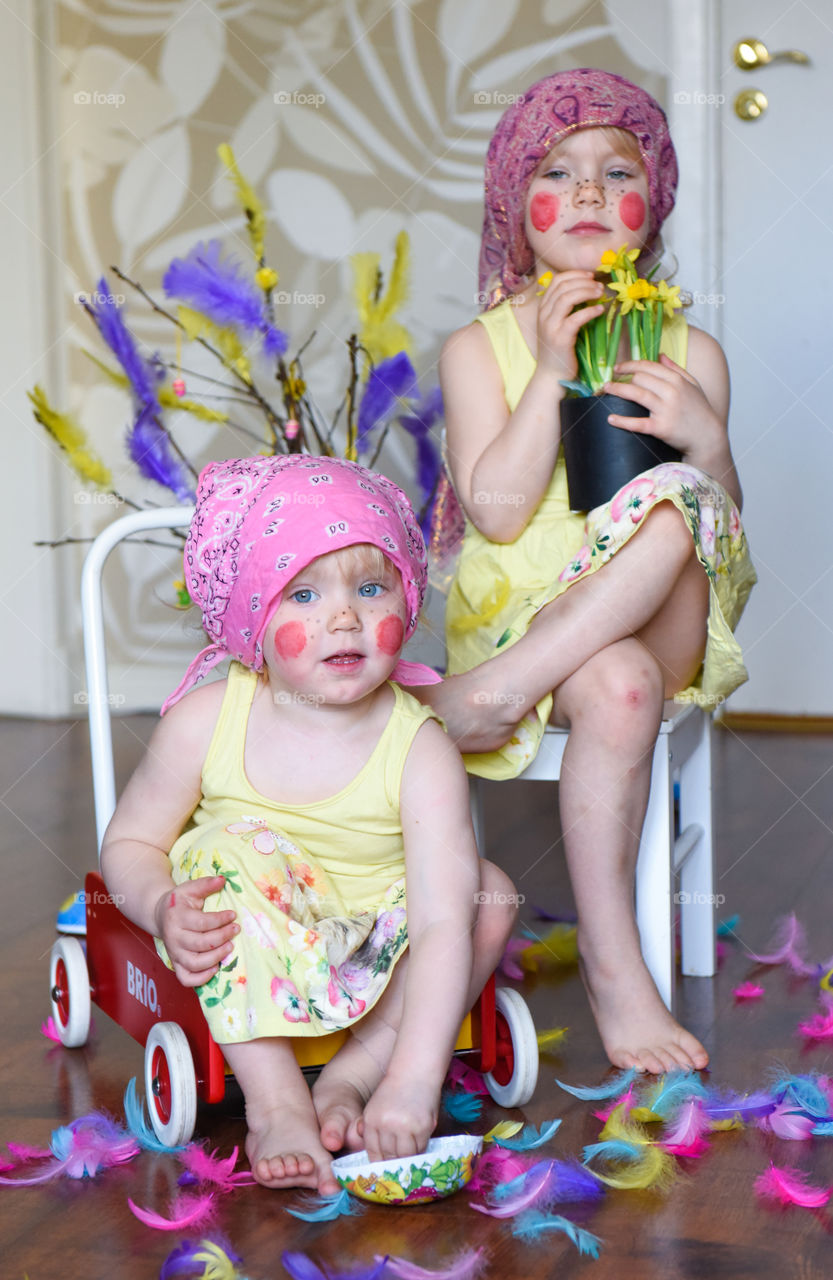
(680, 413)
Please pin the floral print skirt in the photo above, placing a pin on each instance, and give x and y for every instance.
(304, 963)
(721, 548)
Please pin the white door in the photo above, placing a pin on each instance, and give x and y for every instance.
(768, 296)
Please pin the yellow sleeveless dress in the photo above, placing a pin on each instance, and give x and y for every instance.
(319, 889)
(499, 587)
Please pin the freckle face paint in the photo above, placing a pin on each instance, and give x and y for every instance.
(389, 634)
(543, 211)
(290, 640)
(632, 210)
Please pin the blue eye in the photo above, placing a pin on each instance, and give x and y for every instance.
(303, 595)
(619, 175)
(371, 589)
(555, 173)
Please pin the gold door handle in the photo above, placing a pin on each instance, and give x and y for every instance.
(750, 104)
(749, 54)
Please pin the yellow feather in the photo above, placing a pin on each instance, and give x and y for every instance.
(654, 1169)
(218, 1265)
(503, 1129)
(558, 946)
(72, 439)
(253, 209)
(396, 294)
(171, 400)
(551, 1038)
(197, 325)
(379, 333)
(365, 268)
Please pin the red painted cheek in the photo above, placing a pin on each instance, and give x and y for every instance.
(389, 635)
(632, 210)
(290, 640)
(543, 211)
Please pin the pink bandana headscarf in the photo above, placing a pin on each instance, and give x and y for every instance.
(548, 111)
(260, 521)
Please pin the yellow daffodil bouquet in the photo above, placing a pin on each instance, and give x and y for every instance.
(631, 299)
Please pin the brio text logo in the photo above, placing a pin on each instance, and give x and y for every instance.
(142, 988)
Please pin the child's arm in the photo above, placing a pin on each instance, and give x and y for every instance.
(154, 807)
(502, 463)
(689, 407)
(443, 880)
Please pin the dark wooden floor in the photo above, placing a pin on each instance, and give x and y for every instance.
(774, 811)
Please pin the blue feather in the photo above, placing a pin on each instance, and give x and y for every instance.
(824, 1129)
(392, 380)
(532, 1224)
(609, 1090)
(726, 928)
(221, 290)
(107, 316)
(613, 1149)
(462, 1106)
(530, 1137)
(134, 1114)
(675, 1089)
(150, 448)
(326, 1208)
(803, 1091)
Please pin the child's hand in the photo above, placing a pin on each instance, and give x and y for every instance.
(399, 1119)
(558, 323)
(197, 940)
(680, 413)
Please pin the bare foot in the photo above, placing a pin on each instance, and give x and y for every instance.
(284, 1150)
(479, 713)
(341, 1092)
(636, 1028)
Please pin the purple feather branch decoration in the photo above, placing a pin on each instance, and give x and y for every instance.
(107, 316)
(221, 290)
(392, 380)
(150, 448)
(418, 424)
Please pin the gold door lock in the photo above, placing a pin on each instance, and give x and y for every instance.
(751, 54)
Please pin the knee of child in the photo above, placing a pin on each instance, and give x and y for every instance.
(631, 693)
(498, 904)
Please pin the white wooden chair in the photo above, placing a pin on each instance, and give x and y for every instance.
(682, 753)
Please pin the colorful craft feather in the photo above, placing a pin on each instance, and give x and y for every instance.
(669, 1093)
(149, 445)
(686, 1136)
(531, 1136)
(463, 1077)
(788, 947)
(196, 325)
(49, 1030)
(423, 416)
(648, 1168)
(107, 317)
(509, 966)
(135, 1115)
(727, 928)
(380, 334)
(820, 1026)
(205, 1260)
(388, 383)
(497, 1166)
(467, 1266)
(737, 1106)
(462, 1107)
(72, 439)
(624, 1100)
(790, 1186)
(788, 1122)
(185, 1211)
(805, 1092)
(595, 1092)
(317, 1208)
(503, 1129)
(221, 290)
(212, 1169)
(249, 202)
(81, 1149)
(301, 1267)
(557, 946)
(748, 991)
(551, 1038)
(530, 1190)
(533, 1224)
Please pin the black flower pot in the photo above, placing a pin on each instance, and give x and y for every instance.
(600, 458)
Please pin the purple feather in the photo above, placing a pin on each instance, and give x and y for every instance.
(183, 1261)
(391, 380)
(745, 1106)
(418, 424)
(222, 291)
(107, 316)
(150, 448)
(300, 1267)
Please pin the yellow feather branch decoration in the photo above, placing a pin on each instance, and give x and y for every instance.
(167, 397)
(379, 333)
(197, 325)
(73, 440)
(253, 209)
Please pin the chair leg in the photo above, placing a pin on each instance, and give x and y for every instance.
(654, 876)
(697, 874)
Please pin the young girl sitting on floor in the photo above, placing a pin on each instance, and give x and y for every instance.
(294, 828)
(593, 619)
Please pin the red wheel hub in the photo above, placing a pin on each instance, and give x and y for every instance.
(505, 1054)
(161, 1085)
(60, 992)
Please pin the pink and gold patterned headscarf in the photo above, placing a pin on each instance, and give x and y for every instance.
(526, 133)
(260, 521)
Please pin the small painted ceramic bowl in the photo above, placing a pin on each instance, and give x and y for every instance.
(444, 1168)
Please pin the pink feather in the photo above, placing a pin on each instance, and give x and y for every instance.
(29, 1153)
(536, 1185)
(186, 1211)
(790, 943)
(49, 1030)
(748, 991)
(625, 1100)
(509, 966)
(789, 1186)
(498, 1165)
(211, 1168)
(469, 1265)
(686, 1137)
(788, 1123)
(466, 1078)
(820, 1026)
